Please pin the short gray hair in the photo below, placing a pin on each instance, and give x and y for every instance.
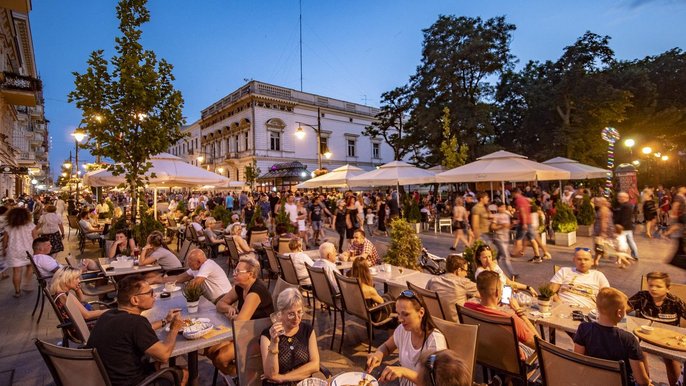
(253, 263)
(325, 249)
(288, 298)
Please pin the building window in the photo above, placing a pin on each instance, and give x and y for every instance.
(274, 140)
(323, 144)
(351, 148)
(246, 141)
(376, 149)
(237, 147)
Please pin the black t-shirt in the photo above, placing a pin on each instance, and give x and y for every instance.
(266, 307)
(340, 219)
(316, 213)
(293, 350)
(670, 312)
(121, 339)
(609, 343)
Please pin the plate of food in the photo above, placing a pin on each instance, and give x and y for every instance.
(196, 328)
(354, 378)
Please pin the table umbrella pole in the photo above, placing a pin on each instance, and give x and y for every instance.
(154, 205)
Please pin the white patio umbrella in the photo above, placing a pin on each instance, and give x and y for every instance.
(337, 178)
(502, 166)
(169, 171)
(577, 170)
(393, 173)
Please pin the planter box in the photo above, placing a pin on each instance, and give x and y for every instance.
(584, 230)
(417, 227)
(565, 239)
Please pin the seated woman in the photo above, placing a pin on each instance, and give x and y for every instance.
(156, 251)
(68, 279)
(254, 302)
(122, 245)
(90, 232)
(289, 346)
(211, 237)
(443, 368)
(484, 260)
(300, 260)
(243, 248)
(360, 270)
(415, 336)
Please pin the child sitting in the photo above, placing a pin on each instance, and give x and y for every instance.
(658, 304)
(602, 339)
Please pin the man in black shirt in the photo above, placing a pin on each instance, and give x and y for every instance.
(623, 215)
(123, 336)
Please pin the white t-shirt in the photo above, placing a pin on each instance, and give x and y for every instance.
(292, 211)
(502, 234)
(46, 264)
(409, 356)
(51, 223)
(299, 261)
(216, 283)
(579, 288)
(503, 278)
(329, 268)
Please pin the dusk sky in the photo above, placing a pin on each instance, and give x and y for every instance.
(352, 50)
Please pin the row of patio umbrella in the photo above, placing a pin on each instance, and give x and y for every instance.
(500, 166)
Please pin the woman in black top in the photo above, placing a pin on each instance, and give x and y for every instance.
(289, 347)
(254, 302)
(351, 218)
(381, 212)
(650, 214)
(339, 222)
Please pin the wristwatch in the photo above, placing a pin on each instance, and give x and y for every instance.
(164, 322)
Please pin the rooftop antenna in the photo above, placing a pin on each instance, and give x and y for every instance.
(300, 2)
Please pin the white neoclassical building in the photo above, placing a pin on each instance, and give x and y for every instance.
(257, 124)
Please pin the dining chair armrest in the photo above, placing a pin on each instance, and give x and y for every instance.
(103, 304)
(150, 379)
(382, 305)
(531, 360)
(66, 324)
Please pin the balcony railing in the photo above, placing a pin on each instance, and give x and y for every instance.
(19, 89)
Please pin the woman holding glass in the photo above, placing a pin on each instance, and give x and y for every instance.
(289, 346)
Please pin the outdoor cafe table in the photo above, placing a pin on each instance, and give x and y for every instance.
(561, 318)
(105, 264)
(185, 346)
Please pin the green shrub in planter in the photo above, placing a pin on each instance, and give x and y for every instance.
(411, 211)
(182, 207)
(146, 226)
(586, 215)
(192, 293)
(282, 219)
(405, 247)
(564, 220)
(220, 213)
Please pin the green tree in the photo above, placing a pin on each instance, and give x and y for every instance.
(459, 54)
(454, 154)
(251, 172)
(137, 111)
(390, 122)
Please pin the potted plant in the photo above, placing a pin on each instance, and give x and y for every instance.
(146, 226)
(182, 207)
(545, 293)
(405, 247)
(284, 221)
(221, 214)
(412, 214)
(192, 294)
(586, 217)
(564, 225)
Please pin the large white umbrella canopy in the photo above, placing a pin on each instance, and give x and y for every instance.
(337, 178)
(502, 166)
(577, 170)
(394, 173)
(169, 171)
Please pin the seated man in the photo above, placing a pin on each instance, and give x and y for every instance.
(491, 290)
(123, 336)
(327, 261)
(579, 285)
(47, 265)
(602, 339)
(361, 246)
(202, 272)
(453, 287)
(89, 231)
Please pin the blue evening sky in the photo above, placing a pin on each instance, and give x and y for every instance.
(352, 50)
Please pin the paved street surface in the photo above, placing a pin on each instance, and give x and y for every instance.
(19, 358)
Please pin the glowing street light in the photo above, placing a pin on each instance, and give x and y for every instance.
(665, 158)
(636, 162)
(647, 150)
(658, 154)
(629, 143)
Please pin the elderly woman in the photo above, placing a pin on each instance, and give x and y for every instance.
(68, 279)
(254, 301)
(122, 245)
(289, 346)
(156, 251)
(52, 228)
(485, 262)
(415, 336)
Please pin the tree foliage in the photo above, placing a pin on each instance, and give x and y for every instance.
(130, 107)
(251, 172)
(454, 154)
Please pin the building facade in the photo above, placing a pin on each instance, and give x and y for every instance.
(23, 128)
(257, 124)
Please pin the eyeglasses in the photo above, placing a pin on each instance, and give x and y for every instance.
(238, 271)
(577, 249)
(431, 366)
(149, 293)
(291, 315)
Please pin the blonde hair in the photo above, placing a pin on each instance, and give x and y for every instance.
(609, 300)
(63, 276)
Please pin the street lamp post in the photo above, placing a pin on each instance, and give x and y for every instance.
(78, 135)
(300, 133)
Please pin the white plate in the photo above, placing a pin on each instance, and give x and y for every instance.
(176, 288)
(197, 330)
(155, 286)
(352, 378)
